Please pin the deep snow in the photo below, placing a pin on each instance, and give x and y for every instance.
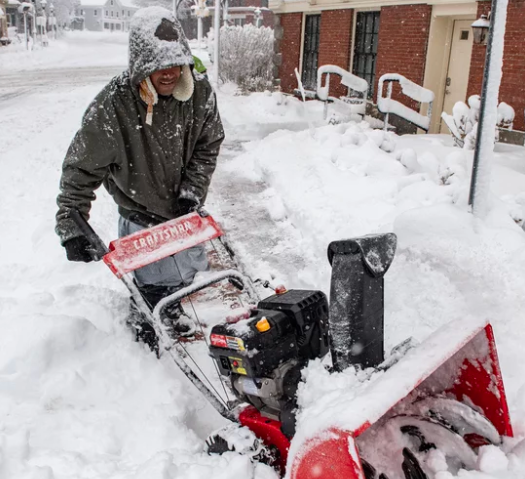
(78, 398)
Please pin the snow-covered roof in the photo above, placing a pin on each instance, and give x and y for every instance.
(13, 3)
(92, 3)
(103, 3)
(129, 4)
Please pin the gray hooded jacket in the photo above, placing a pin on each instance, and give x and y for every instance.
(146, 168)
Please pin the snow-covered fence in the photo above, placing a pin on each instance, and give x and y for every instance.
(412, 90)
(246, 55)
(356, 104)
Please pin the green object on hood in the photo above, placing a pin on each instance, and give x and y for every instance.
(198, 65)
(145, 167)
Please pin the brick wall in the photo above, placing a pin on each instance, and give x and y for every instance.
(290, 48)
(512, 90)
(402, 43)
(335, 44)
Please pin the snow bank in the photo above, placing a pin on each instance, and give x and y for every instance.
(449, 266)
(259, 114)
(80, 49)
(78, 397)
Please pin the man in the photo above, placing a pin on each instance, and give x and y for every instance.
(152, 137)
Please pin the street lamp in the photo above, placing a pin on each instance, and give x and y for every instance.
(26, 9)
(480, 28)
(200, 10)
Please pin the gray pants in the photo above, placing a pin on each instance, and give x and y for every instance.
(175, 271)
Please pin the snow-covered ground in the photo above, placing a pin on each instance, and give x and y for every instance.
(78, 398)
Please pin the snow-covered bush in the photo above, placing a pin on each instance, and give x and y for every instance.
(463, 123)
(246, 55)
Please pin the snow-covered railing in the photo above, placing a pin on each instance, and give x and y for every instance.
(356, 104)
(414, 91)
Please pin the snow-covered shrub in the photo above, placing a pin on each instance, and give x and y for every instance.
(246, 55)
(463, 123)
(506, 115)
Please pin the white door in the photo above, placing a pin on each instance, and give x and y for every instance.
(458, 67)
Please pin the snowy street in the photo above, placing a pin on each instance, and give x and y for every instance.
(80, 399)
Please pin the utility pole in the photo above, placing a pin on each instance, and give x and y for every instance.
(217, 33)
(484, 152)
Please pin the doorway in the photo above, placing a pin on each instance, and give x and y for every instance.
(456, 82)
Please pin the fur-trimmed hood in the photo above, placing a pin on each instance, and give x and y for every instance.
(156, 42)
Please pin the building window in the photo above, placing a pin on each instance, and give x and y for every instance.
(82, 12)
(365, 51)
(311, 51)
(123, 13)
(111, 12)
(116, 14)
(107, 14)
(95, 12)
(111, 2)
(129, 13)
(106, 26)
(118, 26)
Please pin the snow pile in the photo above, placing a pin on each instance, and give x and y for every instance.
(341, 183)
(79, 49)
(259, 114)
(78, 397)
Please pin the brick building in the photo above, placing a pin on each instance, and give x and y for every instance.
(430, 42)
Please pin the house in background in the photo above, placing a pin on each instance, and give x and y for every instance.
(110, 15)
(429, 42)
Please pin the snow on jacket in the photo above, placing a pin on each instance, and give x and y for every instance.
(146, 168)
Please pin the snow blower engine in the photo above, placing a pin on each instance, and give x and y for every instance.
(263, 355)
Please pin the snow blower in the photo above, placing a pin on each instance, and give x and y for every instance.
(425, 409)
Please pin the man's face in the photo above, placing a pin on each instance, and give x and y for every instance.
(165, 81)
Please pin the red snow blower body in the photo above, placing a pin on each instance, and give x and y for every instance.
(444, 395)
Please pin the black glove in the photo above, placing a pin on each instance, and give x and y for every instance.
(77, 249)
(187, 205)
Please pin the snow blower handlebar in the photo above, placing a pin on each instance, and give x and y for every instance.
(145, 247)
(98, 249)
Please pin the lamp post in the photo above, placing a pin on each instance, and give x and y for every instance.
(42, 23)
(25, 9)
(53, 21)
(200, 10)
(483, 154)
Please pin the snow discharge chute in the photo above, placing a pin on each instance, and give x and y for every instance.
(416, 412)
